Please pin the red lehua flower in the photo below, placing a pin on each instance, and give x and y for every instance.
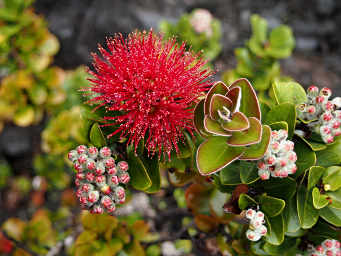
(153, 84)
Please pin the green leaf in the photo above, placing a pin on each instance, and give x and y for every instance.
(251, 136)
(259, 28)
(217, 88)
(153, 170)
(271, 206)
(214, 154)
(332, 178)
(249, 104)
(275, 227)
(257, 151)
(327, 157)
(281, 188)
(214, 127)
(244, 201)
(239, 122)
(234, 95)
(217, 103)
(287, 248)
(319, 200)
(248, 172)
(96, 136)
(283, 112)
(199, 116)
(290, 216)
(139, 177)
(305, 157)
(279, 126)
(315, 146)
(230, 175)
(307, 214)
(335, 199)
(315, 174)
(331, 215)
(289, 92)
(281, 42)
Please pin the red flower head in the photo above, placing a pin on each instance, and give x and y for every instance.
(152, 84)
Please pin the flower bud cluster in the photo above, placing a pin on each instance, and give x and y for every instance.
(98, 178)
(325, 119)
(201, 20)
(279, 160)
(257, 228)
(329, 247)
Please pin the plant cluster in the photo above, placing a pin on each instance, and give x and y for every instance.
(28, 84)
(237, 144)
(258, 61)
(200, 31)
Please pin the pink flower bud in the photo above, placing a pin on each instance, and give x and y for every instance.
(82, 159)
(90, 176)
(77, 182)
(311, 109)
(79, 193)
(320, 249)
(87, 188)
(326, 92)
(81, 149)
(106, 189)
(120, 193)
(93, 152)
(337, 244)
(90, 164)
(112, 171)
(78, 167)
(283, 162)
(100, 179)
(97, 209)
(292, 156)
(114, 179)
(313, 89)
(330, 139)
(328, 244)
(319, 99)
(80, 175)
(263, 230)
(93, 196)
(124, 178)
(271, 160)
(123, 166)
(72, 155)
(105, 152)
(329, 253)
(336, 124)
(293, 169)
(106, 202)
(250, 213)
(329, 106)
(82, 200)
(110, 162)
(327, 117)
(111, 209)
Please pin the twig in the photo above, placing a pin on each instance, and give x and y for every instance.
(173, 237)
(19, 244)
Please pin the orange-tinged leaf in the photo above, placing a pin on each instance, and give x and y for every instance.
(239, 122)
(251, 136)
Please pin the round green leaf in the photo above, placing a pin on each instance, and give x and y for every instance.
(332, 178)
(284, 112)
(275, 227)
(271, 206)
(96, 136)
(319, 200)
(315, 174)
(290, 216)
(289, 92)
(305, 157)
(307, 214)
(244, 201)
(251, 136)
(214, 154)
(331, 215)
(280, 188)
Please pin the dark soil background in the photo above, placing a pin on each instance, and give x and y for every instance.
(81, 24)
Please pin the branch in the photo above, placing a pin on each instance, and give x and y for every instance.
(19, 244)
